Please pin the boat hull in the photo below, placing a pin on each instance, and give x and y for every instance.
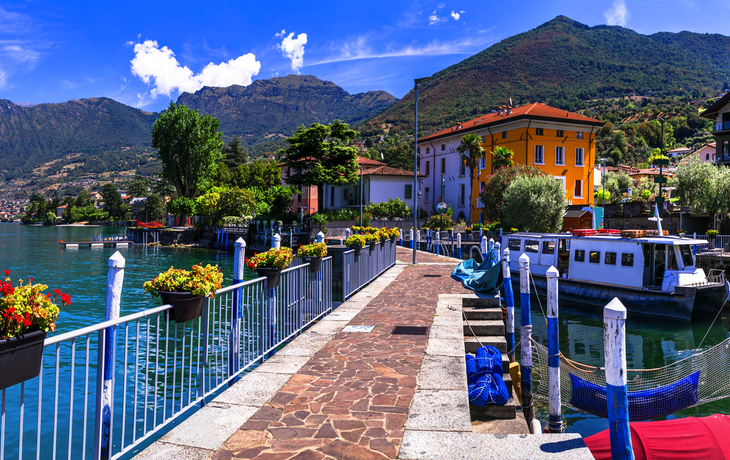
(709, 300)
(595, 296)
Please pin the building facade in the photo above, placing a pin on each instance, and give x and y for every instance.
(559, 142)
(719, 113)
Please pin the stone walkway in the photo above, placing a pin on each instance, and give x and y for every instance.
(404, 254)
(351, 400)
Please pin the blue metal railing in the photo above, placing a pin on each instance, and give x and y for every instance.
(357, 271)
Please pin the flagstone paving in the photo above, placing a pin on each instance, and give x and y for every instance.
(404, 254)
(351, 400)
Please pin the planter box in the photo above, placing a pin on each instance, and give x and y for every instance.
(315, 263)
(21, 358)
(273, 276)
(185, 306)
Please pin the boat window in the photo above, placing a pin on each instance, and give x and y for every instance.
(627, 259)
(548, 247)
(686, 255)
(580, 255)
(594, 257)
(610, 258)
(672, 259)
(514, 244)
(532, 246)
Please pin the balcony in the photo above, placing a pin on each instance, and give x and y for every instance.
(721, 127)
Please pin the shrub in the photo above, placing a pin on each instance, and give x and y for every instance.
(390, 210)
(492, 195)
(434, 222)
(312, 250)
(536, 203)
(273, 258)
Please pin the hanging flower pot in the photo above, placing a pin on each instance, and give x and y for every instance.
(357, 250)
(185, 306)
(315, 263)
(272, 274)
(313, 254)
(21, 358)
(356, 242)
(372, 246)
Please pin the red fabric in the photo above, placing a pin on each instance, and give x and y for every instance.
(152, 224)
(706, 438)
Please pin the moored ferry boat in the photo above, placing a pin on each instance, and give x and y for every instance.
(653, 274)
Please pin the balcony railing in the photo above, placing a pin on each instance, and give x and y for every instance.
(722, 127)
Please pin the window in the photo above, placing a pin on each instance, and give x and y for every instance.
(332, 197)
(428, 149)
(461, 195)
(686, 256)
(514, 244)
(484, 138)
(483, 162)
(578, 192)
(560, 156)
(561, 133)
(579, 135)
(462, 171)
(443, 147)
(707, 157)
(538, 132)
(548, 247)
(288, 172)
(579, 157)
(610, 258)
(408, 191)
(627, 259)
(539, 154)
(504, 134)
(532, 246)
(594, 257)
(428, 168)
(299, 198)
(426, 196)
(580, 255)
(443, 165)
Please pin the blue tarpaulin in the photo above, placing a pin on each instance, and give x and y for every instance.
(485, 278)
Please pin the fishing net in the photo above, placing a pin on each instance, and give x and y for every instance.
(653, 393)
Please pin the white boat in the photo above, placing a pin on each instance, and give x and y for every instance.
(652, 275)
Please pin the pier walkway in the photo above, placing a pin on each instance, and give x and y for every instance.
(336, 394)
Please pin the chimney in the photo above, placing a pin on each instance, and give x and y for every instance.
(458, 125)
(509, 110)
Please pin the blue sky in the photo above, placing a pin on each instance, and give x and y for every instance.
(145, 53)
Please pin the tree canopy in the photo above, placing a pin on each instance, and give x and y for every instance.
(493, 193)
(704, 188)
(534, 203)
(471, 151)
(502, 158)
(189, 146)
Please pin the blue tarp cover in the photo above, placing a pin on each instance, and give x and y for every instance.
(643, 405)
(485, 278)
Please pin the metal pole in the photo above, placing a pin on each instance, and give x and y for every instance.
(458, 245)
(509, 299)
(614, 342)
(484, 247)
(555, 422)
(361, 222)
(442, 200)
(415, 160)
(239, 258)
(526, 343)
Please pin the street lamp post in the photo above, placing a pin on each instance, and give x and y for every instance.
(603, 183)
(416, 82)
(660, 200)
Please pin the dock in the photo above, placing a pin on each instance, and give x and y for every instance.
(95, 244)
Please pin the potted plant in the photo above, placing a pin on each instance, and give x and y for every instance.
(356, 242)
(269, 264)
(373, 239)
(26, 316)
(394, 234)
(711, 234)
(681, 232)
(185, 290)
(312, 254)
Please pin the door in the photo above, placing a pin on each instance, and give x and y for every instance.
(547, 255)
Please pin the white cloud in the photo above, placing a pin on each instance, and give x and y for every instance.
(434, 19)
(16, 56)
(293, 48)
(280, 34)
(454, 15)
(618, 14)
(158, 67)
(13, 22)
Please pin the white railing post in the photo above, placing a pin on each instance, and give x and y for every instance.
(105, 401)
(483, 247)
(276, 241)
(347, 233)
(614, 342)
(320, 237)
(555, 422)
(526, 342)
(400, 236)
(239, 258)
(411, 238)
(437, 246)
(458, 245)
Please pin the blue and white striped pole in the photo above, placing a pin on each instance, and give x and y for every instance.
(437, 245)
(418, 239)
(614, 343)
(490, 246)
(411, 238)
(239, 262)
(555, 422)
(483, 247)
(400, 236)
(458, 245)
(526, 341)
(347, 233)
(509, 299)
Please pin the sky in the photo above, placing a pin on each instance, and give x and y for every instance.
(145, 54)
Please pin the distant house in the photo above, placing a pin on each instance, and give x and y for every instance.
(642, 173)
(719, 113)
(679, 152)
(137, 204)
(60, 210)
(705, 154)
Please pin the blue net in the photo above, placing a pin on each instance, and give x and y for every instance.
(486, 388)
(489, 359)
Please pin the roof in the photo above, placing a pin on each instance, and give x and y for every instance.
(573, 214)
(388, 171)
(680, 149)
(650, 172)
(712, 110)
(535, 111)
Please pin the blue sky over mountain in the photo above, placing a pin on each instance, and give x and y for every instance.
(145, 53)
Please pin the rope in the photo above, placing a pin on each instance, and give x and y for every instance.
(713, 322)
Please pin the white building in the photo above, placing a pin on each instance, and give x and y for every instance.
(441, 164)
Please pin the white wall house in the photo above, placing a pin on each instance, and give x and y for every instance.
(439, 159)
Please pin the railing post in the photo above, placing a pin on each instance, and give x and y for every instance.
(458, 245)
(411, 238)
(555, 422)
(483, 247)
(490, 246)
(437, 248)
(347, 233)
(276, 241)
(526, 339)
(105, 401)
(509, 299)
(614, 342)
(400, 236)
(320, 239)
(418, 239)
(239, 258)
(694, 246)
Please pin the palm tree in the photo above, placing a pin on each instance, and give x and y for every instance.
(471, 151)
(502, 157)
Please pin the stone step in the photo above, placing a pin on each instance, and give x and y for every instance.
(471, 344)
(484, 327)
(480, 301)
(505, 412)
(482, 313)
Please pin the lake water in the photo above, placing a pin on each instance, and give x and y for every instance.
(34, 251)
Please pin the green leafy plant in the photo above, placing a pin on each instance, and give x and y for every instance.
(27, 308)
(312, 250)
(537, 203)
(391, 209)
(372, 237)
(366, 218)
(355, 241)
(198, 281)
(712, 232)
(273, 258)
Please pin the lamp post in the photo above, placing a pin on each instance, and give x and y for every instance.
(416, 82)
(603, 183)
(659, 199)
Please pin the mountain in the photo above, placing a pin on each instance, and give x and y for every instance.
(31, 135)
(269, 109)
(566, 60)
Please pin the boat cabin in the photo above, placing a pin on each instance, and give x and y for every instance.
(652, 262)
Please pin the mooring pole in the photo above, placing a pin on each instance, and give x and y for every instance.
(418, 239)
(509, 299)
(458, 245)
(400, 236)
(411, 238)
(490, 246)
(614, 342)
(526, 342)
(239, 262)
(437, 246)
(483, 247)
(555, 422)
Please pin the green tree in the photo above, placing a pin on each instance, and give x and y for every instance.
(704, 188)
(320, 155)
(236, 202)
(154, 208)
(471, 151)
(234, 154)
(138, 187)
(502, 158)
(182, 206)
(83, 198)
(492, 195)
(535, 203)
(113, 204)
(189, 146)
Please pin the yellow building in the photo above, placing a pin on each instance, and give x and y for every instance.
(559, 142)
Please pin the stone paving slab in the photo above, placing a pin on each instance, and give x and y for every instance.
(439, 410)
(406, 255)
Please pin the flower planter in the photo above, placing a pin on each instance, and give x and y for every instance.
(372, 246)
(185, 306)
(272, 274)
(315, 263)
(357, 250)
(21, 358)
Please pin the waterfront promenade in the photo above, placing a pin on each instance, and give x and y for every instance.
(333, 394)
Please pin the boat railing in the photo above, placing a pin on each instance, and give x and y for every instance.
(716, 276)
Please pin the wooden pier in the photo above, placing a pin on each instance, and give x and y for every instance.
(95, 244)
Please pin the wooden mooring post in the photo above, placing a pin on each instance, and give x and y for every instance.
(555, 422)
(614, 343)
